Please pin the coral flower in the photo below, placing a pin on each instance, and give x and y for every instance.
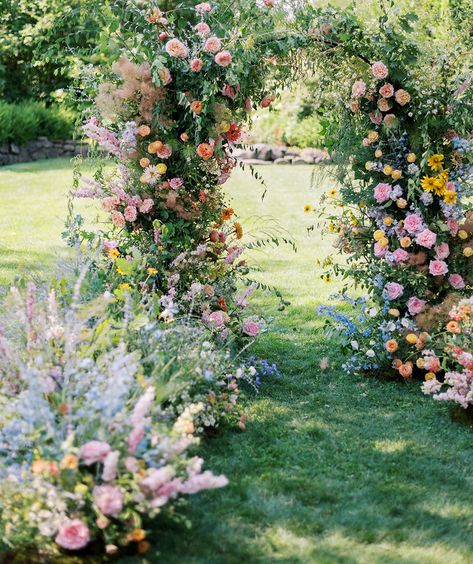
(391, 345)
(197, 106)
(453, 327)
(405, 370)
(205, 151)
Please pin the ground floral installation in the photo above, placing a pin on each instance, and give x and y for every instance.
(406, 219)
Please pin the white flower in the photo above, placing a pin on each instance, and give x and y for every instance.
(370, 353)
(355, 345)
(150, 175)
(372, 312)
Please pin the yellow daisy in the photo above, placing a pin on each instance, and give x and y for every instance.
(428, 183)
(450, 197)
(308, 208)
(436, 162)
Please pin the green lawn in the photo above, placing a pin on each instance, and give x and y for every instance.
(331, 468)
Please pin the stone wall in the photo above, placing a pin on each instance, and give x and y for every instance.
(41, 148)
(261, 153)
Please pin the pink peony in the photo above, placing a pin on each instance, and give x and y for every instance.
(108, 499)
(453, 226)
(73, 535)
(379, 70)
(426, 238)
(202, 28)
(223, 58)
(176, 48)
(382, 192)
(176, 183)
(442, 251)
(94, 451)
(117, 219)
(456, 282)
(413, 223)
(213, 45)
(400, 255)
(196, 65)
(379, 251)
(146, 205)
(251, 329)
(217, 318)
(393, 290)
(358, 89)
(130, 213)
(438, 267)
(415, 305)
(387, 90)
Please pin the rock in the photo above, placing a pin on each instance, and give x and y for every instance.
(38, 155)
(263, 152)
(278, 152)
(282, 161)
(299, 161)
(14, 149)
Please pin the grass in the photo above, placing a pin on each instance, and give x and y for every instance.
(331, 469)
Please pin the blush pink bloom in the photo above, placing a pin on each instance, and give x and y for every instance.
(379, 251)
(203, 8)
(196, 65)
(156, 478)
(94, 451)
(108, 499)
(229, 91)
(204, 481)
(223, 58)
(438, 267)
(146, 205)
(118, 219)
(394, 290)
(400, 255)
(432, 363)
(456, 282)
(415, 305)
(382, 192)
(269, 3)
(164, 152)
(387, 90)
(453, 227)
(110, 466)
(376, 117)
(213, 45)
(109, 203)
(426, 238)
(413, 223)
(73, 535)
(358, 89)
(217, 318)
(379, 70)
(442, 251)
(176, 183)
(177, 49)
(251, 329)
(202, 28)
(130, 213)
(390, 120)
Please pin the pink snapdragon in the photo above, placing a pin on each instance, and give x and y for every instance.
(94, 451)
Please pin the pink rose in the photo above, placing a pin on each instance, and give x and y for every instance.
(456, 282)
(247, 105)
(117, 218)
(382, 192)
(223, 58)
(229, 92)
(164, 152)
(109, 203)
(400, 255)
(426, 238)
(358, 89)
(438, 267)
(413, 223)
(176, 48)
(146, 205)
(393, 290)
(376, 117)
(442, 251)
(94, 451)
(73, 535)
(415, 305)
(379, 251)
(387, 90)
(213, 45)
(202, 28)
(384, 105)
(390, 120)
(108, 499)
(453, 227)
(130, 213)
(196, 65)
(266, 101)
(203, 8)
(379, 70)
(251, 329)
(217, 318)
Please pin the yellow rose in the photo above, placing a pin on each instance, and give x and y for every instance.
(388, 170)
(401, 203)
(411, 338)
(429, 376)
(411, 158)
(396, 174)
(388, 221)
(378, 234)
(420, 363)
(384, 242)
(468, 252)
(81, 489)
(394, 312)
(463, 234)
(378, 153)
(161, 168)
(406, 242)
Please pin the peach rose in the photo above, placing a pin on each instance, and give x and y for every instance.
(205, 151)
(379, 70)
(387, 90)
(177, 49)
(402, 97)
(213, 45)
(223, 58)
(196, 65)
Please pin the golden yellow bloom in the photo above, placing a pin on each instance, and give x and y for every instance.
(405, 242)
(308, 208)
(388, 221)
(137, 535)
(411, 338)
(332, 193)
(436, 162)
(161, 168)
(450, 197)
(378, 153)
(224, 126)
(396, 174)
(326, 278)
(331, 227)
(384, 242)
(428, 183)
(373, 136)
(439, 186)
(468, 252)
(69, 462)
(378, 234)
(388, 170)
(401, 203)
(81, 489)
(430, 376)
(124, 287)
(411, 158)
(152, 271)
(113, 253)
(155, 146)
(463, 234)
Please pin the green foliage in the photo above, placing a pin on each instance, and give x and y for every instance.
(26, 121)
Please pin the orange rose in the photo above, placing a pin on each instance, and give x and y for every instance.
(155, 146)
(405, 370)
(391, 345)
(144, 130)
(205, 151)
(453, 327)
(197, 106)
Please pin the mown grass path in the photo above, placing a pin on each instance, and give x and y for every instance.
(331, 468)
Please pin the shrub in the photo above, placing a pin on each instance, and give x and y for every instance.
(26, 121)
